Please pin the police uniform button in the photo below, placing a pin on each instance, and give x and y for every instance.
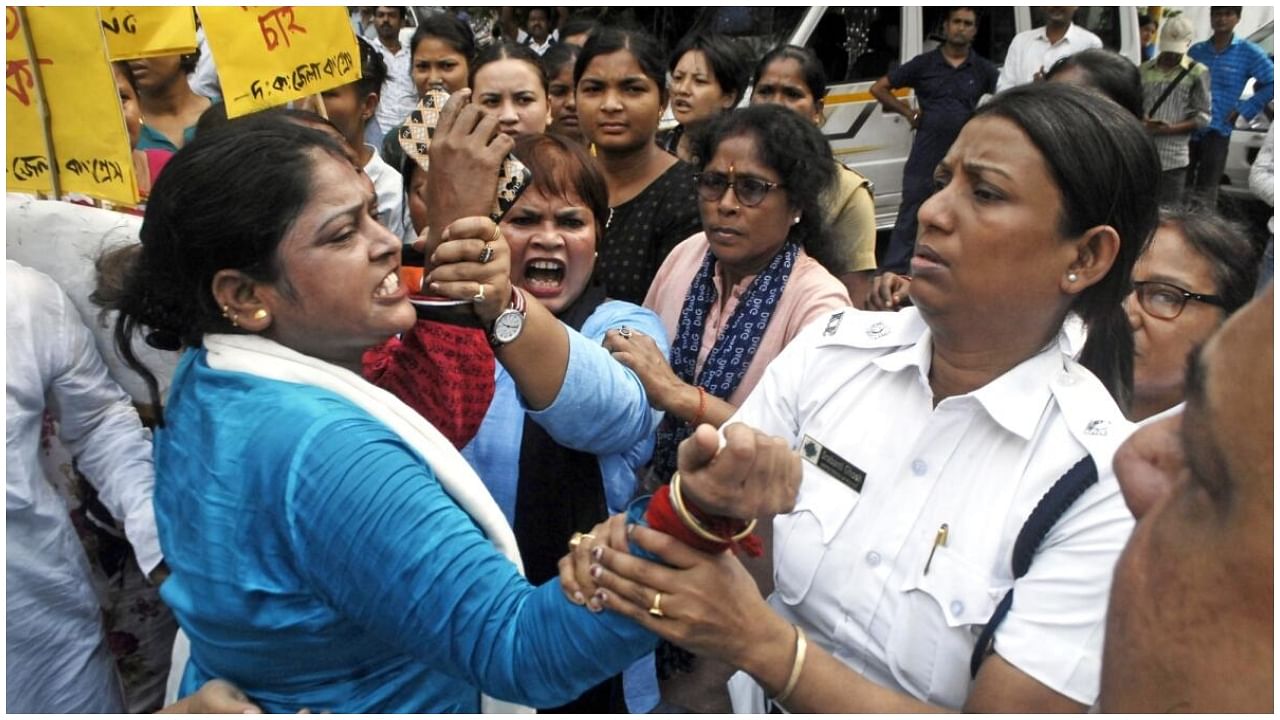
(957, 607)
(873, 558)
(877, 330)
(919, 467)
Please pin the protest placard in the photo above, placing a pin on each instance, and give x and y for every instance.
(268, 56)
(135, 31)
(26, 159)
(90, 142)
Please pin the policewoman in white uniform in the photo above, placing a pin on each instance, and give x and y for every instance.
(933, 433)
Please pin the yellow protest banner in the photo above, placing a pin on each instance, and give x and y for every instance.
(268, 56)
(135, 31)
(26, 161)
(89, 137)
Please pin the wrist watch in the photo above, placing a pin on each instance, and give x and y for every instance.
(509, 323)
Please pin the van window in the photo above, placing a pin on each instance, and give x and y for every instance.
(858, 44)
(1101, 21)
(996, 28)
(759, 29)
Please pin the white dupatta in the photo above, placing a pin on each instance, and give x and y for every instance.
(255, 355)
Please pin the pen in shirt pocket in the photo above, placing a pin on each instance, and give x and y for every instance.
(938, 540)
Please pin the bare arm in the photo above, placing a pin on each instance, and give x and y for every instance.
(666, 391)
(883, 92)
(859, 286)
(713, 608)
(539, 358)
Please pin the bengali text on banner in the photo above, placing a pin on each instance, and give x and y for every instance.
(268, 56)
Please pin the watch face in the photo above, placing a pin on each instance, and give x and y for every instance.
(508, 326)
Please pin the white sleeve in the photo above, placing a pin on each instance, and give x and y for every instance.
(1262, 176)
(100, 426)
(1054, 630)
(1011, 70)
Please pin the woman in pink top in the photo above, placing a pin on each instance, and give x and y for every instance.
(734, 295)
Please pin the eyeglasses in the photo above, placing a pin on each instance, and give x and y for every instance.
(1166, 301)
(750, 191)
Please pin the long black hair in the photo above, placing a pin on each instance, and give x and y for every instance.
(224, 201)
(1105, 168)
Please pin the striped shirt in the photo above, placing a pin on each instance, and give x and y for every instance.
(1230, 70)
(1189, 100)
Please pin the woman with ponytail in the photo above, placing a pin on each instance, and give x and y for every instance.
(956, 451)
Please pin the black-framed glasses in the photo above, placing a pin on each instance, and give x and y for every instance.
(750, 191)
(1166, 301)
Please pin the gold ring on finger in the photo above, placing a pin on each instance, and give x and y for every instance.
(479, 296)
(656, 608)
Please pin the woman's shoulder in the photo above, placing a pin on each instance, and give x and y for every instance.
(848, 180)
(286, 411)
(680, 265)
(677, 179)
(616, 313)
(811, 278)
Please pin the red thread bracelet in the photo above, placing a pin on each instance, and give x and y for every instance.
(702, 407)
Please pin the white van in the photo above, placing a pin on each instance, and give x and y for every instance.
(858, 45)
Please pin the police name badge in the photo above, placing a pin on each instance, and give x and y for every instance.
(832, 464)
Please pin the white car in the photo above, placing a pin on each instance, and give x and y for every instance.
(857, 45)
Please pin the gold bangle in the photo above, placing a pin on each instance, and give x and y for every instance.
(797, 666)
(691, 522)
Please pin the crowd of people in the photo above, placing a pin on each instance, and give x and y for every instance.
(656, 432)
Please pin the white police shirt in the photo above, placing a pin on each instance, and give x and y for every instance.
(852, 394)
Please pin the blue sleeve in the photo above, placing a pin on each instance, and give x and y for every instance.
(602, 407)
(1263, 72)
(383, 544)
(908, 73)
(1201, 53)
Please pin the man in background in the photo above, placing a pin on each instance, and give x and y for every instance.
(1175, 100)
(1034, 51)
(948, 81)
(1232, 62)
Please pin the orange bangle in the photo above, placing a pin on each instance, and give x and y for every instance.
(702, 407)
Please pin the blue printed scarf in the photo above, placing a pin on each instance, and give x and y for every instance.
(734, 348)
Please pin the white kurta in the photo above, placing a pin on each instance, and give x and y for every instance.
(388, 185)
(57, 657)
(849, 566)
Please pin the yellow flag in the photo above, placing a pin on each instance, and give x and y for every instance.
(135, 31)
(89, 137)
(26, 161)
(268, 56)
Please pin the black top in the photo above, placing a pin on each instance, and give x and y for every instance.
(947, 96)
(643, 230)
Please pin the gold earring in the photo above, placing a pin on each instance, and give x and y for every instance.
(260, 314)
(230, 315)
